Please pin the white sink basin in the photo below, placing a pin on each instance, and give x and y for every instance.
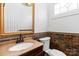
(20, 46)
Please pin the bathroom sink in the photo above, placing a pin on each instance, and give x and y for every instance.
(20, 46)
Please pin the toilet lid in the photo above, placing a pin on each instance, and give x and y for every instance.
(54, 52)
(45, 38)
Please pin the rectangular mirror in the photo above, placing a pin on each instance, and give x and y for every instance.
(17, 18)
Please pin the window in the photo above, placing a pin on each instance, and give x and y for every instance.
(65, 7)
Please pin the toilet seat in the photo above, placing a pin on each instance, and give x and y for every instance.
(55, 52)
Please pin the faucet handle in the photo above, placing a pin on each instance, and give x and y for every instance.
(17, 40)
(21, 38)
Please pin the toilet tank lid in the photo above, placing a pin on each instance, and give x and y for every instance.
(45, 38)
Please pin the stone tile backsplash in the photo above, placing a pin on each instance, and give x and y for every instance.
(35, 36)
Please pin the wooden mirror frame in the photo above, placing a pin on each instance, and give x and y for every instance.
(13, 33)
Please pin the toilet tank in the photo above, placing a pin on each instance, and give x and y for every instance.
(46, 43)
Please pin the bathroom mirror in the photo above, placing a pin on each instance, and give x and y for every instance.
(16, 18)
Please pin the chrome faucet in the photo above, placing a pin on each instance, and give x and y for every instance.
(20, 39)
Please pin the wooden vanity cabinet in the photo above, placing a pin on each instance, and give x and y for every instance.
(35, 52)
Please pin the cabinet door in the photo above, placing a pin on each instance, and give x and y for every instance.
(35, 52)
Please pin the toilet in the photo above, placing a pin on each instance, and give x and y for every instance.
(50, 52)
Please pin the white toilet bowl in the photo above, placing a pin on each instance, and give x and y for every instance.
(51, 52)
(55, 52)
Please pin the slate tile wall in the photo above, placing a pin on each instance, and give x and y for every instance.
(66, 42)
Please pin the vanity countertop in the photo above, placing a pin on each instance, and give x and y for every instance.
(5, 46)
